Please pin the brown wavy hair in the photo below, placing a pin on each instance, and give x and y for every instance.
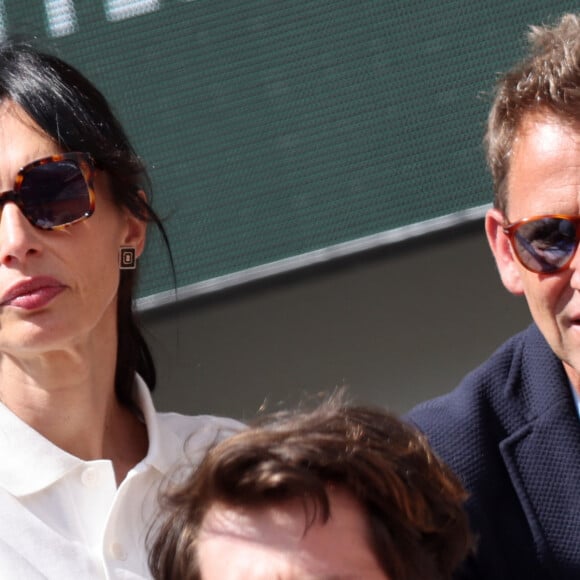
(412, 502)
(546, 81)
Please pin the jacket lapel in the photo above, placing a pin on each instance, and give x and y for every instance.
(542, 456)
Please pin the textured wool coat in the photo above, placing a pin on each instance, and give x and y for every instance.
(511, 431)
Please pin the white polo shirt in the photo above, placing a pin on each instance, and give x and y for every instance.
(64, 518)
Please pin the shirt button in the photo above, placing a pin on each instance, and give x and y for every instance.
(90, 477)
(118, 551)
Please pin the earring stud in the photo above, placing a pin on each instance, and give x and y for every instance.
(127, 258)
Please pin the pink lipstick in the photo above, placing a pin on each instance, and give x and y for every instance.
(32, 294)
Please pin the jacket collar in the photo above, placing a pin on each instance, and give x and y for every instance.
(542, 454)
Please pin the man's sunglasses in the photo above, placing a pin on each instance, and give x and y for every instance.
(54, 192)
(544, 244)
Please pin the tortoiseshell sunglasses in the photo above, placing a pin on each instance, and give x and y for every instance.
(544, 244)
(54, 192)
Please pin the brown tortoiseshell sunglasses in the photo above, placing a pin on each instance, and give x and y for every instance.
(544, 244)
(54, 192)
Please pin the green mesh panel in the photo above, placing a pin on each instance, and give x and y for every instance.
(274, 128)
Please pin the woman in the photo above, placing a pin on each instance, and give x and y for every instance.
(82, 448)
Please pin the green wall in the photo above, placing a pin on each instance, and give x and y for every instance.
(276, 128)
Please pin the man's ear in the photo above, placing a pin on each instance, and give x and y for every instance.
(136, 232)
(509, 269)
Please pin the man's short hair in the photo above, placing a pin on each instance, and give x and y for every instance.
(546, 81)
(412, 502)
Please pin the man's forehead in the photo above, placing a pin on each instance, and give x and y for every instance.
(274, 541)
(548, 126)
(269, 524)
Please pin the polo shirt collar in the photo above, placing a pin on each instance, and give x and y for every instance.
(30, 462)
(165, 447)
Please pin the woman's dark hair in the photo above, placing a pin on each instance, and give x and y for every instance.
(76, 115)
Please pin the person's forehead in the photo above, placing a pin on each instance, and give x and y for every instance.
(547, 125)
(544, 174)
(272, 524)
(271, 542)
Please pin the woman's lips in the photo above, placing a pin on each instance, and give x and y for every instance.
(32, 294)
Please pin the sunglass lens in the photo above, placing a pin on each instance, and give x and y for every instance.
(546, 244)
(55, 194)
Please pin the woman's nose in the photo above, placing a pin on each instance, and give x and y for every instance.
(18, 237)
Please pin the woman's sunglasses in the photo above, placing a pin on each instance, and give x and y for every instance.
(544, 244)
(54, 192)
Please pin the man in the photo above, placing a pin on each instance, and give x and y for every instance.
(342, 493)
(511, 430)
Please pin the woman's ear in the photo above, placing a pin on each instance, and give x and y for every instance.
(136, 231)
(509, 268)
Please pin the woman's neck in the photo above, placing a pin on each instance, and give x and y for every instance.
(74, 406)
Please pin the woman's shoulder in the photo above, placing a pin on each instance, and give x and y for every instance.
(176, 436)
(204, 425)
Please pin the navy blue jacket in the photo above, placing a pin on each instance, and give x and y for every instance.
(511, 431)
